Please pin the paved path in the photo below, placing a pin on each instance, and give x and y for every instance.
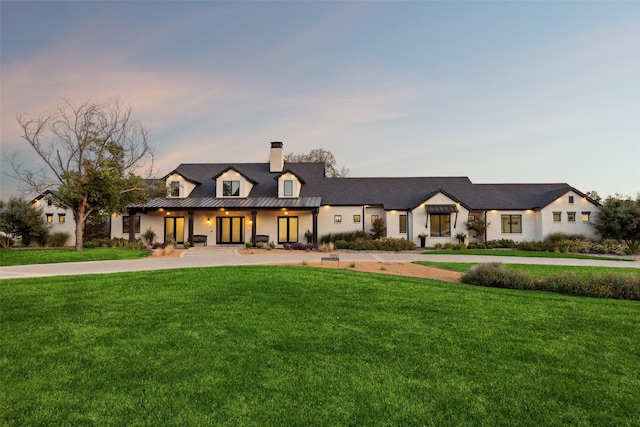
(211, 256)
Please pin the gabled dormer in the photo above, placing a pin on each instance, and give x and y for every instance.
(289, 184)
(179, 186)
(233, 184)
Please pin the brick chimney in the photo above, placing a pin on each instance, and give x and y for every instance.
(276, 157)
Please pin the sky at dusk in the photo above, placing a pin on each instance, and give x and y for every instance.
(501, 92)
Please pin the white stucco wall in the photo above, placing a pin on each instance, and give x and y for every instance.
(529, 226)
(419, 221)
(186, 187)
(232, 175)
(68, 226)
(563, 206)
(295, 187)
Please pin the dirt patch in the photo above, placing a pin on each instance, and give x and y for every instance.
(407, 269)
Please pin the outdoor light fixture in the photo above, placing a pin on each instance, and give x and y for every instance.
(208, 221)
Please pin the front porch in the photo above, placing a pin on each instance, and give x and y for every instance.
(225, 226)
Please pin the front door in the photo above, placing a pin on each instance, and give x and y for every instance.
(288, 229)
(230, 229)
(174, 229)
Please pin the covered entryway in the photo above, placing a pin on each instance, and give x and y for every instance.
(230, 229)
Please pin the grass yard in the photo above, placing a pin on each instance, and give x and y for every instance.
(303, 346)
(521, 253)
(10, 257)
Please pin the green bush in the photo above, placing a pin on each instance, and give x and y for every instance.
(618, 286)
(348, 236)
(383, 244)
(57, 239)
(495, 276)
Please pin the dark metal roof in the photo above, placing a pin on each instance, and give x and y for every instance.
(231, 203)
(399, 193)
(441, 208)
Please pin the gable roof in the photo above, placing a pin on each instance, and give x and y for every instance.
(391, 193)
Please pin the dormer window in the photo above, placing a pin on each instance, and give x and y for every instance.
(175, 189)
(231, 188)
(288, 188)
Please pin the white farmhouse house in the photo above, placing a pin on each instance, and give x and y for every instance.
(59, 219)
(275, 201)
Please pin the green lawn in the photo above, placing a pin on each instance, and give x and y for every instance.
(520, 253)
(303, 346)
(9, 257)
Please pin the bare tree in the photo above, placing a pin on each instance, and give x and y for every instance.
(320, 155)
(90, 156)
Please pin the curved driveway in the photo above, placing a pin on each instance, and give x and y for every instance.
(221, 256)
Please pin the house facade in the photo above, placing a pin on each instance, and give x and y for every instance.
(275, 201)
(59, 219)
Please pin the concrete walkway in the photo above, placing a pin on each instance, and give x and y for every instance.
(212, 256)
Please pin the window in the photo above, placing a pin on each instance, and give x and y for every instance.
(126, 224)
(403, 223)
(586, 216)
(49, 217)
(571, 216)
(231, 188)
(175, 188)
(570, 199)
(512, 223)
(49, 201)
(337, 218)
(62, 217)
(287, 229)
(374, 218)
(440, 225)
(356, 218)
(472, 217)
(557, 216)
(288, 188)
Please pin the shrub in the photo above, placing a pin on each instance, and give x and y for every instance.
(384, 244)
(530, 246)
(248, 245)
(302, 246)
(260, 245)
(57, 239)
(494, 275)
(619, 286)
(476, 245)
(272, 245)
(348, 236)
(341, 244)
(459, 246)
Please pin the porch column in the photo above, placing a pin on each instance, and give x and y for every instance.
(254, 217)
(190, 228)
(132, 226)
(315, 226)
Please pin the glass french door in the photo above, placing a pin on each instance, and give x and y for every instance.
(174, 229)
(287, 229)
(230, 229)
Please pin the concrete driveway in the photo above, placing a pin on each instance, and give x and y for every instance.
(212, 256)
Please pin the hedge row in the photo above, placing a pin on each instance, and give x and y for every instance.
(617, 286)
(383, 244)
(560, 242)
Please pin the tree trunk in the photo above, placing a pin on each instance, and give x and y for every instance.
(79, 235)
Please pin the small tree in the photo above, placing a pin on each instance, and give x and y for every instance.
(24, 219)
(320, 155)
(619, 219)
(90, 154)
(478, 226)
(378, 228)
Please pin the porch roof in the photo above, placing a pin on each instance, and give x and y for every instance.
(201, 203)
